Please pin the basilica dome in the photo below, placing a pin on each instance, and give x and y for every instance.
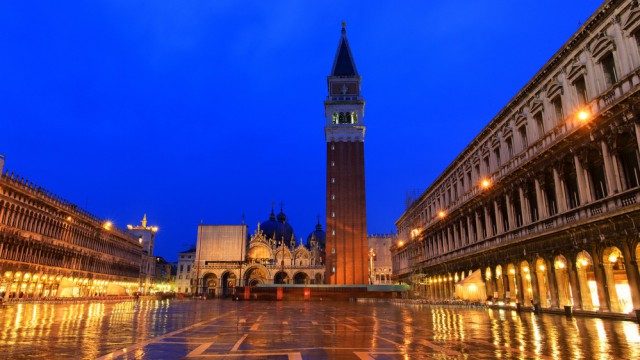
(278, 228)
(319, 235)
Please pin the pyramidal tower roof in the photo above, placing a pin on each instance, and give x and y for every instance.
(343, 64)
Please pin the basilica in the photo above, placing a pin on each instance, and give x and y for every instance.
(227, 255)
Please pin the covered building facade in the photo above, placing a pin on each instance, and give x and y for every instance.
(271, 255)
(51, 248)
(542, 207)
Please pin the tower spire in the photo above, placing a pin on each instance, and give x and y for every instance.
(343, 64)
(144, 220)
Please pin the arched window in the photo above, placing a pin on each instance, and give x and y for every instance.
(354, 117)
(341, 119)
(335, 117)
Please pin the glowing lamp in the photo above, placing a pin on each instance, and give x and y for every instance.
(525, 269)
(583, 115)
(584, 262)
(542, 267)
(485, 183)
(442, 214)
(613, 258)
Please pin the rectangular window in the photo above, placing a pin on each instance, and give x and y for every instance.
(523, 136)
(539, 124)
(496, 154)
(609, 69)
(188, 268)
(333, 214)
(333, 269)
(333, 250)
(557, 107)
(486, 165)
(181, 268)
(333, 232)
(509, 143)
(581, 90)
(333, 197)
(333, 180)
(333, 163)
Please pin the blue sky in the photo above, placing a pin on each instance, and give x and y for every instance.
(205, 110)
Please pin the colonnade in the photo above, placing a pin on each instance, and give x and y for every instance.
(594, 278)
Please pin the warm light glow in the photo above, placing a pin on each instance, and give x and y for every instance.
(442, 214)
(129, 227)
(154, 229)
(542, 268)
(528, 277)
(107, 225)
(525, 269)
(583, 115)
(415, 233)
(400, 243)
(584, 262)
(485, 183)
(512, 271)
(69, 218)
(7, 274)
(613, 258)
(560, 265)
(27, 275)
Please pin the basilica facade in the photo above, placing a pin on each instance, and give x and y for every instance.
(227, 256)
(543, 206)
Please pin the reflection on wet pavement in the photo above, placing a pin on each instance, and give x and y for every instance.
(296, 330)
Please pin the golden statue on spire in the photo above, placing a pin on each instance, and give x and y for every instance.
(144, 221)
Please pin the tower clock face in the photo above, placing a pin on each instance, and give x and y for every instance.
(343, 89)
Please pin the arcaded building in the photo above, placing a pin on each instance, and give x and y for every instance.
(50, 247)
(227, 256)
(542, 206)
(346, 201)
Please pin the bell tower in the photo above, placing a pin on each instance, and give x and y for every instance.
(346, 244)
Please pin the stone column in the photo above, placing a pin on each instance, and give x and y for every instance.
(488, 284)
(631, 268)
(505, 286)
(542, 209)
(520, 287)
(585, 292)
(494, 286)
(510, 212)
(552, 283)
(636, 126)
(526, 210)
(487, 221)
(611, 286)
(535, 290)
(603, 293)
(499, 224)
(608, 169)
(585, 197)
(560, 194)
(479, 235)
(470, 230)
(573, 282)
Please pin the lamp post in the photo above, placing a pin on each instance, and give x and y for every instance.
(198, 259)
(372, 254)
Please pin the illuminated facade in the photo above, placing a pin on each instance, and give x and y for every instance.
(271, 255)
(346, 201)
(379, 247)
(51, 248)
(542, 207)
(146, 236)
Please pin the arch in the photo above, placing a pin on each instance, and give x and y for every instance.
(228, 282)
(281, 277)
(562, 281)
(341, 118)
(499, 288)
(587, 281)
(301, 277)
(525, 270)
(255, 275)
(209, 284)
(616, 278)
(541, 274)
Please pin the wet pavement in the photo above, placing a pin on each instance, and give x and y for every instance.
(222, 329)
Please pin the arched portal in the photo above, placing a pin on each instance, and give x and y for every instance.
(281, 278)
(587, 281)
(228, 283)
(209, 284)
(616, 278)
(255, 276)
(301, 278)
(543, 283)
(562, 280)
(525, 271)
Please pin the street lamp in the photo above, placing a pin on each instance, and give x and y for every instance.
(372, 255)
(485, 183)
